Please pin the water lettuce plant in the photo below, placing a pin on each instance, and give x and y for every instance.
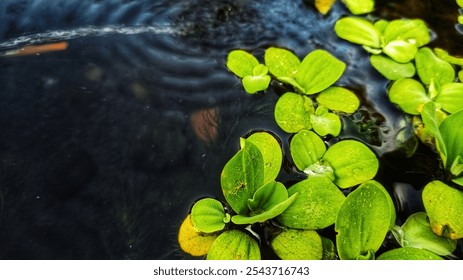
(398, 40)
(247, 67)
(436, 85)
(416, 232)
(336, 190)
(347, 163)
(316, 75)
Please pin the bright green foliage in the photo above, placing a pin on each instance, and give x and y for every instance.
(392, 69)
(444, 55)
(317, 71)
(358, 7)
(242, 176)
(247, 67)
(324, 122)
(438, 76)
(267, 196)
(353, 163)
(451, 145)
(234, 245)
(347, 162)
(363, 221)
(306, 149)
(364, 217)
(460, 3)
(208, 215)
(408, 253)
(241, 63)
(399, 39)
(409, 94)
(416, 232)
(444, 206)
(293, 244)
(338, 99)
(317, 205)
(359, 31)
(283, 64)
(431, 118)
(268, 202)
(293, 111)
(432, 68)
(271, 153)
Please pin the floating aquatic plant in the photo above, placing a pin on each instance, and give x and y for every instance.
(398, 39)
(291, 217)
(247, 67)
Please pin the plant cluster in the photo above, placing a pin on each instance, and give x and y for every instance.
(339, 193)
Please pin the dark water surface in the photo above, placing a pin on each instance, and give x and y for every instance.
(104, 146)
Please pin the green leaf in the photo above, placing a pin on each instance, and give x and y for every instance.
(444, 206)
(267, 196)
(292, 112)
(452, 138)
(408, 253)
(316, 207)
(363, 221)
(293, 244)
(416, 232)
(409, 95)
(324, 122)
(234, 245)
(413, 31)
(241, 63)
(401, 51)
(358, 7)
(450, 97)
(253, 84)
(260, 70)
(271, 153)
(391, 69)
(266, 215)
(381, 25)
(359, 31)
(339, 99)
(208, 215)
(281, 62)
(431, 124)
(444, 55)
(430, 67)
(318, 71)
(306, 148)
(457, 167)
(320, 168)
(353, 163)
(242, 175)
(460, 3)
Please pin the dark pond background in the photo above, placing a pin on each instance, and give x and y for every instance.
(105, 146)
